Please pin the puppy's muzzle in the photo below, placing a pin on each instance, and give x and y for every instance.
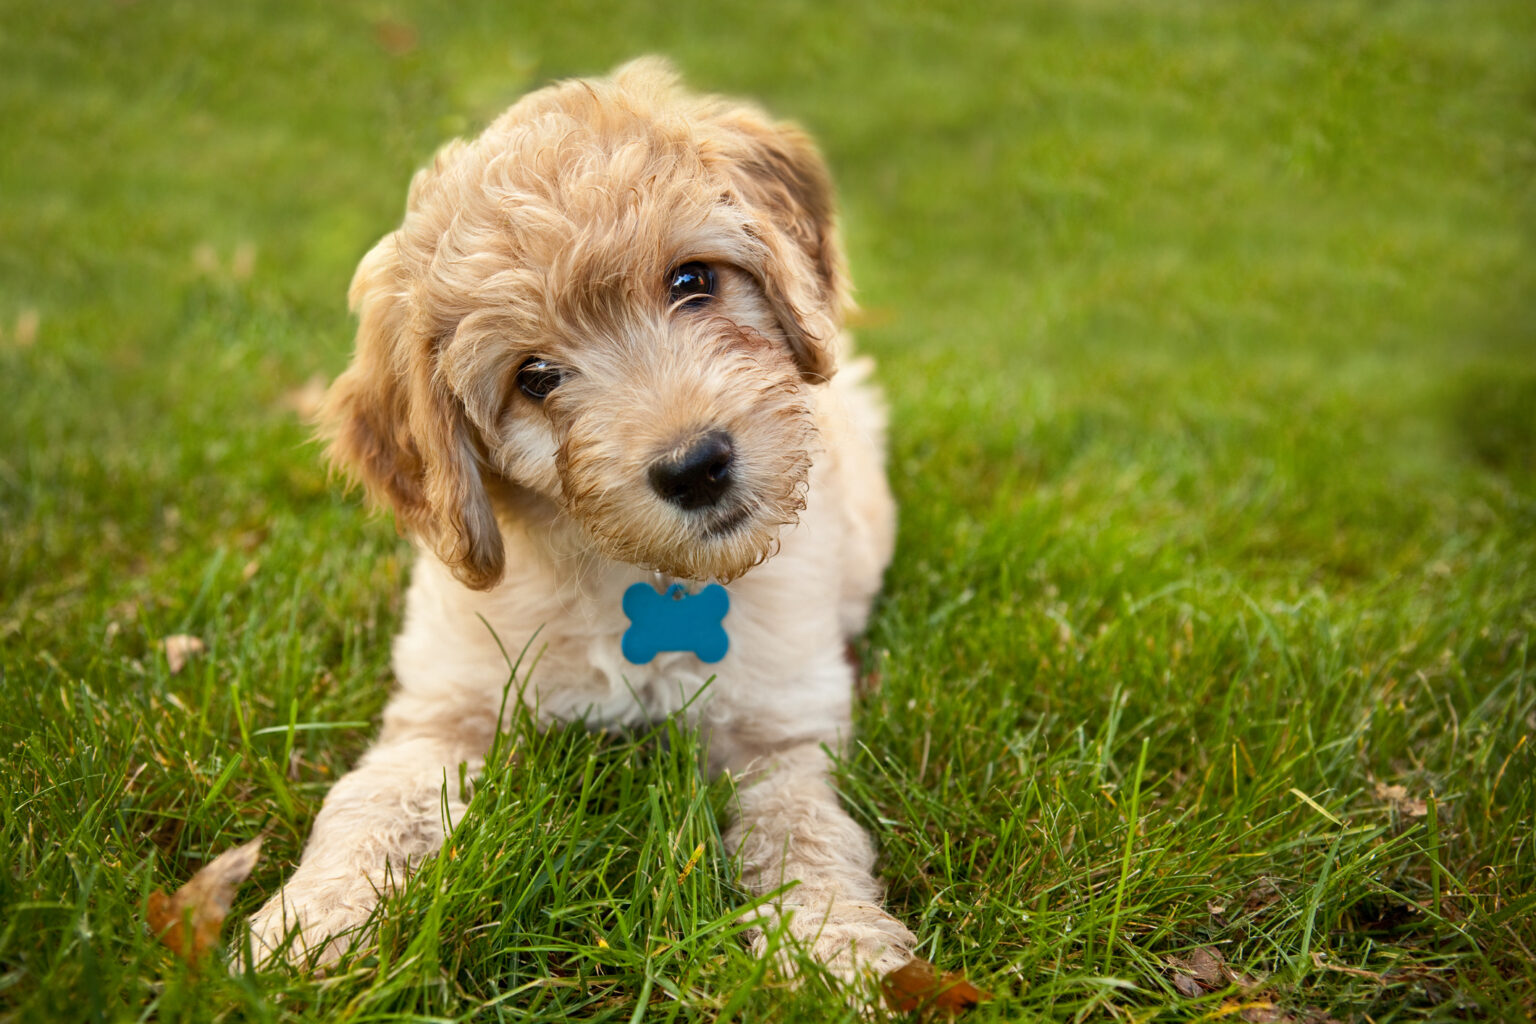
(699, 476)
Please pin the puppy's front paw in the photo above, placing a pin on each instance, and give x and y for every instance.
(851, 939)
(312, 925)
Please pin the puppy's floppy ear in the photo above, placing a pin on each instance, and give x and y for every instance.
(392, 425)
(781, 177)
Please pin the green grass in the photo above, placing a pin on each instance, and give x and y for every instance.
(1210, 337)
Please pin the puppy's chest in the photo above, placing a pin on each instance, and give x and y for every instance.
(579, 655)
(586, 676)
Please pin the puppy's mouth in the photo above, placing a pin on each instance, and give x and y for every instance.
(726, 522)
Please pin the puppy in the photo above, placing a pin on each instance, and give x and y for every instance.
(594, 378)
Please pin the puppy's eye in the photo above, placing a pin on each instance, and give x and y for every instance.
(538, 377)
(691, 283)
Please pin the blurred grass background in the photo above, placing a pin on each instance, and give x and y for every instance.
(1210, 338)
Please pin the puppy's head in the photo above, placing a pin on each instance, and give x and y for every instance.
(614, 302)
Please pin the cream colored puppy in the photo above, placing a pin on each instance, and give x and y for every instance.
(599, 352)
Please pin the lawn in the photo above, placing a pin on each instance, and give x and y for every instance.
(1201, 688)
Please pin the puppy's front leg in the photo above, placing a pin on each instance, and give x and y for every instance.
(792, 829)
(379, 822)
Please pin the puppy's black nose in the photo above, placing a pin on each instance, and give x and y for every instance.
(700, 476)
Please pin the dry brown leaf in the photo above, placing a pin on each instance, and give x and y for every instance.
(1401, 802)
(179, 649)
(1198, 971)
(1206, 964)
(1264, 893)
(1204, 969)
(189, 921)
(919, 987)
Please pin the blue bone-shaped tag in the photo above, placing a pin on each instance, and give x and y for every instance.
(675, 621)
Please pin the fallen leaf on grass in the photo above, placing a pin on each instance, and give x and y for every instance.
(1264, 893)
(179, 649)
(189, 921)
(1203, 964)
(919, 987)
(1398, 798)
(1203, 970)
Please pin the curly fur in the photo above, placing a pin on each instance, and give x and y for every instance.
(551, 236)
